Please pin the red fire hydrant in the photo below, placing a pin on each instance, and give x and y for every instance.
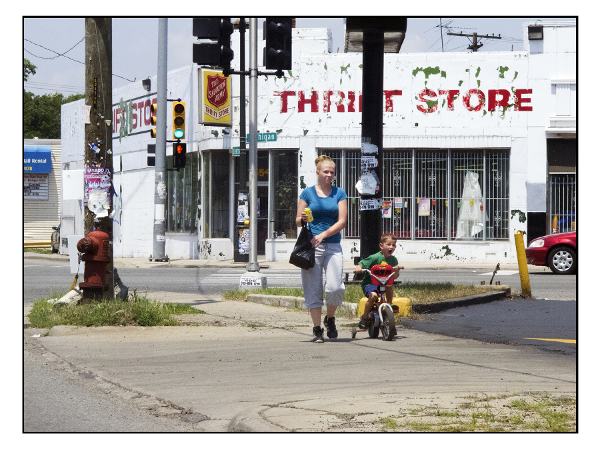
(94, 250)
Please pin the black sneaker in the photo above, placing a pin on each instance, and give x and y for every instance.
(362, 324)
(330, 327)
(317, 334)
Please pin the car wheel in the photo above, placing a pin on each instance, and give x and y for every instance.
(562, 260)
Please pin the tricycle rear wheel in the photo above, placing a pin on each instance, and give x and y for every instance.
(388, 327)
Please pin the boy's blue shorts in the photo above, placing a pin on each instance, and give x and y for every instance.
(370, 288)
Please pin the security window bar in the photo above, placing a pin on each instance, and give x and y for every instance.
(397, 188)
(563, 207)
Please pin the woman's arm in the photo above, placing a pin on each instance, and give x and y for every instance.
(300, 214)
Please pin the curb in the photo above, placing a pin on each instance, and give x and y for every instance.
(419, 308)
(477, 299)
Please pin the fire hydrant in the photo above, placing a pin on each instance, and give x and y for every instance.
(94, 250)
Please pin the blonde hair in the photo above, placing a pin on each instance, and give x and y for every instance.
(323, 159)
(386, 236)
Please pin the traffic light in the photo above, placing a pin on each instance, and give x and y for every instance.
(151, 153)
(178, 120)
(178, 155)
(278, 48)
(213, 54)
(153, 110)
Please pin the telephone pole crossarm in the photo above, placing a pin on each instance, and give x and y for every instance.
(474, 45)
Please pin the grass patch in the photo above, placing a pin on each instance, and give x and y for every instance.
(139, 310)
(242, 294)
(43, 251)
(416, 292)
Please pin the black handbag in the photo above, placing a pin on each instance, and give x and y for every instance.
(303, 255)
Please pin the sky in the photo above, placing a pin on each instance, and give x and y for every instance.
(56, 46)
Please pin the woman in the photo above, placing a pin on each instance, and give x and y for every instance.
(329, 207)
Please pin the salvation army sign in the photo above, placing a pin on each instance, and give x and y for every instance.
(214, 92)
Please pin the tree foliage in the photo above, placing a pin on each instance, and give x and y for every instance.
(41, 113)
(28, 69)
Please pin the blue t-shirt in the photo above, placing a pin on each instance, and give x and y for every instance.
(325, 211)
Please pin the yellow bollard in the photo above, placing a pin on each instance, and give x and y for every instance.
(522, 259)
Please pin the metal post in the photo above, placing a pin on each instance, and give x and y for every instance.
(160, 186)
(372, 134)
(252, 277)
(242, 160)
(522, 260)
(253, 160)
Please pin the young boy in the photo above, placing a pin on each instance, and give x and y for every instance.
(387, 244)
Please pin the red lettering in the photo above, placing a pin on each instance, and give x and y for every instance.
(351, 101)
(494, 101)
(431, 105)
(134, 115)
(147, 112)
(284, 99)
(520, 100)
(117, 120)
(327, 101)
(451, 96)
(467, 100)
(389, 105)
(314, 101)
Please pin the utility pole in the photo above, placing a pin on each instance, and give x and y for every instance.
(474, 45)
(98, 160)
(160, 185)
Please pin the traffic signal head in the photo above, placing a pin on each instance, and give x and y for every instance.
(225, 52)
(179, 149)
(153, 110)
(178, 120)
(278, 48)
(217, 53)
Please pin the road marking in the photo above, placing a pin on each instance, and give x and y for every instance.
(566, 341)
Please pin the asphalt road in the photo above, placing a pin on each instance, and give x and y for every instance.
(42, 278)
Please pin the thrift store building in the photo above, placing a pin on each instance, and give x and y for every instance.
(476, 147)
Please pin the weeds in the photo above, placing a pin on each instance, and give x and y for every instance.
(528, 412)
(137, 311)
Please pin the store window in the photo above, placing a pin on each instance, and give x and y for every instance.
(216, 188)
(183, 195)
(562, 180)
(284, 193)
(434, 194)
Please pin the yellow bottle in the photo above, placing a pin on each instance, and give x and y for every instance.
(309, 217)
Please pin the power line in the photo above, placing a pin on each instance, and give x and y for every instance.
(68, 57)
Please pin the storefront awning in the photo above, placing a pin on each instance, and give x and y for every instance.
(37, 159)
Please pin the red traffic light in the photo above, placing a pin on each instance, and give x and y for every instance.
(179, 150)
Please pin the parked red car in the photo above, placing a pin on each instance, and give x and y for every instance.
(557, 251)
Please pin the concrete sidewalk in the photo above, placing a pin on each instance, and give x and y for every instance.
(248, 367)
(192, 372)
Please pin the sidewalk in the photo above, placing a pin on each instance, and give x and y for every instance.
(220, 335)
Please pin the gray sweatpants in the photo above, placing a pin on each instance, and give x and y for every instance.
(328, 257)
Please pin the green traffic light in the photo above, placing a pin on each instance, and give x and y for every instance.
(178, 134)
